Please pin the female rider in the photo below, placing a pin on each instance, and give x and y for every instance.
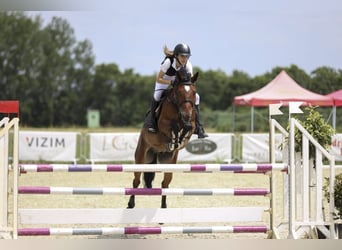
(173, 61)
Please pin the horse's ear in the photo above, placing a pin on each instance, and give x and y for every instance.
(194, 77)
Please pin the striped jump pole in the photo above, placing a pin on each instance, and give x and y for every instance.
(140, 230)
(236, 168)
(143, 191)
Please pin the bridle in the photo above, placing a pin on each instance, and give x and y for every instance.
(175, 93)
(174, 98)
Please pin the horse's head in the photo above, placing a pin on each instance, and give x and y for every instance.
(184, 95)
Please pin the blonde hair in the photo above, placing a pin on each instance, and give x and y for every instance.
(168, 52)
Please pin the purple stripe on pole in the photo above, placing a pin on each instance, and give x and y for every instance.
(143, 230)
(197, 167)
(264, 167)
(114, 168)
(34, 190)
(231, 167)
(250, 191)
(79, 168)
(33, 231)
(44, 168)
(250, 229)
(143, 191)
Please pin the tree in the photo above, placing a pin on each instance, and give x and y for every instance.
(44, 68)
(21, 57)
(73, 98)
(326, 80)
(100, 93)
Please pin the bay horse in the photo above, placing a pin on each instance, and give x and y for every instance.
(176, 123)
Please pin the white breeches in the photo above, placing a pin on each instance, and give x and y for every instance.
(159, 88)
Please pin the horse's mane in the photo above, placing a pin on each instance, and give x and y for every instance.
(183, 76)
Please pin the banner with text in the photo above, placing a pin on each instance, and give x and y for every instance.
(112, 146)
(47, 146)
(215, 148)
(121, 147)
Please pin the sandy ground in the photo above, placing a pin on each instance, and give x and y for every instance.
(180, 180)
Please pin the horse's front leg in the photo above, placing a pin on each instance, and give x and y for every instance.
(185, 133)
(165, 184)
(173, 144)
(136, 183)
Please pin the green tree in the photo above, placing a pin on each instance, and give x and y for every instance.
(100, 93)
(21, 57)
(326, 80)
(72, 98)
(44, 68)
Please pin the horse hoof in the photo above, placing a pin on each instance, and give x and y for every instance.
(130, 205)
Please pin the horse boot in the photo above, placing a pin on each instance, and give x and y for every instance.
(199, 129)
(153, 122)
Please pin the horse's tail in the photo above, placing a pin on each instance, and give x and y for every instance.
(148, 178)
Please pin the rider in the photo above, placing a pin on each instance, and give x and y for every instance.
(173, 61)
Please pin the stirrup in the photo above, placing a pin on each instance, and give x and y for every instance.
(152, 130)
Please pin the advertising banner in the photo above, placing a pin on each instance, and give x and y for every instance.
(215, 148)
(113, 146)
(121, 147)
(47, 146)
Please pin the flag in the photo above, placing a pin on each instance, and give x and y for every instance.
(274, 109)
(294, 107)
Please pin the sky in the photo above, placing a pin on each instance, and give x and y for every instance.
(246, 35)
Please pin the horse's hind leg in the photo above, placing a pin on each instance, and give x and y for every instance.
(136, 182)
(165, 184)
(148, 179)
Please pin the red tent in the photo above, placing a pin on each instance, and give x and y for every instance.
(282, 89)
(337, 97)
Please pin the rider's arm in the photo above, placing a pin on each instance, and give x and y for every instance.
(163, 68)
(160, 78)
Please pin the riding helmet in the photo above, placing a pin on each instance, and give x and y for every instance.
(182, 49)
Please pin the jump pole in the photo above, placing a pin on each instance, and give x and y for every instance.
(140, 230)
(144, 191)
(205, 168)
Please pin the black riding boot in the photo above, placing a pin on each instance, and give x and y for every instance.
(199, 129)
(153, 123)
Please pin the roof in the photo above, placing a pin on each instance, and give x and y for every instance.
(337, 97)
(282, 89)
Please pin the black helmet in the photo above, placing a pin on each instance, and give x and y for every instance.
(182, 49)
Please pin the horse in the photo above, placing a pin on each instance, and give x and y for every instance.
(176, 124)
